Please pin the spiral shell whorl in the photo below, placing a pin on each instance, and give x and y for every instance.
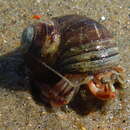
(86, 46)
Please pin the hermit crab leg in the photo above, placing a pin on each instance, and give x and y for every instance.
(57, 95)
(120, 76)
(103, 85)
(104, 92)
(62, 92)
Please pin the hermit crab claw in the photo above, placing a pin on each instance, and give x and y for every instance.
(103, 85)
(102, 91)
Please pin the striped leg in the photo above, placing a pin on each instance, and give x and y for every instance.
(62, 92)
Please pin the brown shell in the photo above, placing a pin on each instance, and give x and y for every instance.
(72, 44)
(86, 46)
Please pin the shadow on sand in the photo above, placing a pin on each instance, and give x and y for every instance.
(13, 77)
(12, 70)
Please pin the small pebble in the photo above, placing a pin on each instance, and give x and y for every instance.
(129, 15)
(38, 1)
(83, 128)
(29, 98)
(124, 121)
(103, 18)
(5, 41)
(36, 16)
(44, 113)
(128, 82)
(29, 124)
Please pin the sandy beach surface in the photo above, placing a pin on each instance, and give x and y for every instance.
(18, 109)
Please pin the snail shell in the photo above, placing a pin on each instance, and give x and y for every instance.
(86, 46)
(73, 44)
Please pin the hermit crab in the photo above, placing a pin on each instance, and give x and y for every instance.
(64, 53)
